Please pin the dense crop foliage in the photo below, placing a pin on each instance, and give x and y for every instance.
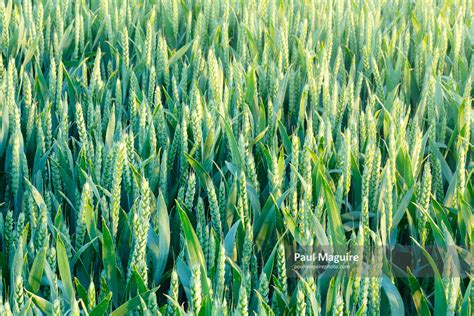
(169, 157)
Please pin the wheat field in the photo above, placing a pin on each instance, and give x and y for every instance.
(177, 157)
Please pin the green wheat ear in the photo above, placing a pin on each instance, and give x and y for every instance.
(196, 290)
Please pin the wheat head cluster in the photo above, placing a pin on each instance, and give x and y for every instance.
(169, 157)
